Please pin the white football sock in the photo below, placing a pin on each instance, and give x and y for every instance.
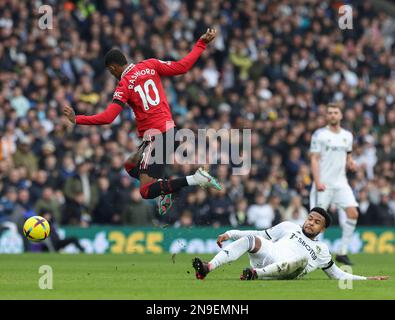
(191, 180)
(232, 252)
(347, 232)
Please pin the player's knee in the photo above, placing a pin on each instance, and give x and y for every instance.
(294, 264)
(257, 245)
(352, 213)
(145, 191)
(129, 165)
(131, 162)
(303, 261)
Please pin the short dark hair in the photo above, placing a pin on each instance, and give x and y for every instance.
(322, 212)
(334, 105)
(115, 56)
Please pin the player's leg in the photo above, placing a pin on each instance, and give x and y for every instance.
(132, 163)
(230, 253)
(344, 198)
(155, 167)
(268, 263)
(131, 166)
(321, 199)
(282, 270)
(313, 197)
(347, 226)
(153, 189)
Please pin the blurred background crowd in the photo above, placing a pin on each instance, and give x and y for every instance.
(272, 68)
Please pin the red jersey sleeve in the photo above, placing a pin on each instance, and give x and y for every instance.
(105, 117)
(120, 98)
(173, 68)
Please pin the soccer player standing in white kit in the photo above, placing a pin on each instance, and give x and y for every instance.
(330, 149)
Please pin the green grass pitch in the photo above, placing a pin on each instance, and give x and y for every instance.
(163, 277)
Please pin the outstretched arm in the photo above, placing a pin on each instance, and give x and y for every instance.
(237, 234)
(173, 68)
(315, 169)
(334, 272)
(105, 117)
(273, 233)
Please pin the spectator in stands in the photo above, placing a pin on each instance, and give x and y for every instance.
(8, 203)
(260, 214)
(201, 212)
(138, 212)
(241, 212)
(221, 207)
(48, 202)
(24, 156)
(366, 208)
(82, 183)
(23, 209)
(104, 212)
(75, 211)
(295, 212)
(384, 216)
(185, 220)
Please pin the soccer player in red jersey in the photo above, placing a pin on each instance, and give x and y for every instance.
(140, 88)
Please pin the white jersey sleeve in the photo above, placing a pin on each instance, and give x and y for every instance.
(350, 142)
(316, 145)
(325, 262)
(274, 233)
(334, 272)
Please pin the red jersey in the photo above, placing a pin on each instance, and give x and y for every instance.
(141, 88)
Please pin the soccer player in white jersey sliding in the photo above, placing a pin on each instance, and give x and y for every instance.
(330, 150)
(285, 251)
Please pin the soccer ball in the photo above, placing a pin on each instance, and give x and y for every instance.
(36, 229)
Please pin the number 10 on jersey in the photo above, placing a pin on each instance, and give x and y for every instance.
(145, 96)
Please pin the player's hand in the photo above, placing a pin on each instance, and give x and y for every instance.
(352, 165)
(320, 187)
(378, 278)
(209, 35)
(69, 113)
(221, 238)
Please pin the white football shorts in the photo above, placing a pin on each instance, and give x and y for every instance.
(269, 253)
(342, 197)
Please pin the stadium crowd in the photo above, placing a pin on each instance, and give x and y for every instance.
(272, 68)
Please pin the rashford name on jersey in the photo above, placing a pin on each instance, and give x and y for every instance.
(136, 74)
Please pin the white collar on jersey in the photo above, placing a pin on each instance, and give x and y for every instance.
(127, 69)
(329, 128)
